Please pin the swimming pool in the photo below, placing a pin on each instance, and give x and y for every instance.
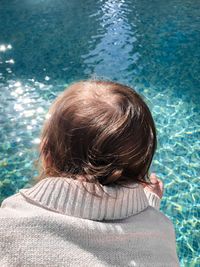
(150, 45)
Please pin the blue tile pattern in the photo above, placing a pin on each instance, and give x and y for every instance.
(150, 45)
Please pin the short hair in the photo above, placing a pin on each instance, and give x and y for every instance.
(101, 131)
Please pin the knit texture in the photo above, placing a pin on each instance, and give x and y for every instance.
(59, 222)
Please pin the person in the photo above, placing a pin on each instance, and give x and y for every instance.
(94, 202)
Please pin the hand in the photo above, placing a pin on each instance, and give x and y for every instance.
(157, 186)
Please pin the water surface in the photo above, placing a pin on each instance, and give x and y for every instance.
(152, 46)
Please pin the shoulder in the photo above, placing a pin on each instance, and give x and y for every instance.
(9, 200)
(158, 219)
(10, 205)
(16, 206)
(158, 214)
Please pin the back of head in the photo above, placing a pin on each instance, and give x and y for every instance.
(98, 131)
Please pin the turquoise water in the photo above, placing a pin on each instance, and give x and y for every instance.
(150, 45)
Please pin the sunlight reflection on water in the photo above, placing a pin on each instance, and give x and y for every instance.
(151, 46)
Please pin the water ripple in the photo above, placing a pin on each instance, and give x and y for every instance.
(150, 45)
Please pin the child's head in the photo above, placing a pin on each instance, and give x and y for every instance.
(98, 131)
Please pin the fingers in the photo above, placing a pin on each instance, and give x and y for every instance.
(155, 183)
(161, 184)
(153, 178)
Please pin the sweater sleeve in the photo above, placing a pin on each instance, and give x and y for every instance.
(153, 199)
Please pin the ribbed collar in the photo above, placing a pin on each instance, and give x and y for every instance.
(68, 196)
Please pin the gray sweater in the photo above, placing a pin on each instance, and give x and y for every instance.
(58, 222)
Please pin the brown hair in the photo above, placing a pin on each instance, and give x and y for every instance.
(98, 131)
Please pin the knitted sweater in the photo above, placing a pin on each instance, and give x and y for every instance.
(58, 222)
